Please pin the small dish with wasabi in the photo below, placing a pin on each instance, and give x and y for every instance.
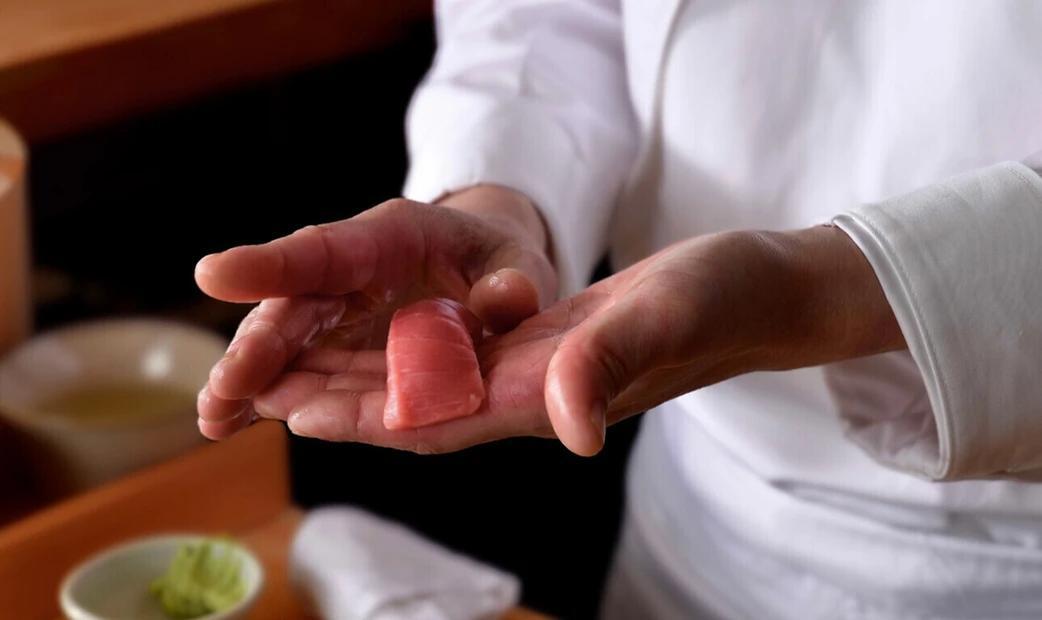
(175, 577)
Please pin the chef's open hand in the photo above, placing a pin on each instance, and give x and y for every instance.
(691, 315)
(700, 312)
(327, 292)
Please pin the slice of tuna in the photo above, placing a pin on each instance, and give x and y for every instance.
(432, 368)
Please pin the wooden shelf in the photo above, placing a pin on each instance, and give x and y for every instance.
(68, 64)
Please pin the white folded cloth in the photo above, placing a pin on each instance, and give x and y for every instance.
(352, 565)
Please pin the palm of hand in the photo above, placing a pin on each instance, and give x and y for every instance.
(315, 341)
(657, 329)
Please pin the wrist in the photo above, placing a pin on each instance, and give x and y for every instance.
(836, 308)
(508, 210)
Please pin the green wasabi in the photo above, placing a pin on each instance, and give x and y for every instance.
(202, 579)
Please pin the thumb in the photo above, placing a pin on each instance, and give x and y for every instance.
(597, 361)
(518, 282)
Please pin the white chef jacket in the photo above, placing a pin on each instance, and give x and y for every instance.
(636, 123)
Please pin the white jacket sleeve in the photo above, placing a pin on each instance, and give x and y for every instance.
(529, 94)
(961, 264)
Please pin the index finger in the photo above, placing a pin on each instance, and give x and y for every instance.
(331, 259)
(384, 250)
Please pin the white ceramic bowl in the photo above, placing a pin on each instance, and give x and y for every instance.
(73, 455)
(114, 585)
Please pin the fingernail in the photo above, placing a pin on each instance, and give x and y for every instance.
(301, 423)
(199, 423)
(502, 276)
(202, 397)
(496, 280)
(265, 409)
(200, 267)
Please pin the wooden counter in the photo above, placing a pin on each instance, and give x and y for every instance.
(240, 486)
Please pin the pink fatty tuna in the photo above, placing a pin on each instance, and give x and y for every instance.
(432, 367)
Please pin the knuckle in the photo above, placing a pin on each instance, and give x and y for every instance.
(614, 366)
(395, 206)
(271, 333)
(309, 230)
(314, 236)
(600, 356)
(664, 284)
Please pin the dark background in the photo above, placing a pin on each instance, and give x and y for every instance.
(121, 214)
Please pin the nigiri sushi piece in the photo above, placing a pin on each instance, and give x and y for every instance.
(432, 367)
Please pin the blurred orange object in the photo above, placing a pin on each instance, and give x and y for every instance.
(15, 316)
(122, 57)
(14, 241)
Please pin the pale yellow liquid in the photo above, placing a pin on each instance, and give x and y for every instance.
(126, 402)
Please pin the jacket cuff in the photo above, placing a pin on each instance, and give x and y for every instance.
(961, 264)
